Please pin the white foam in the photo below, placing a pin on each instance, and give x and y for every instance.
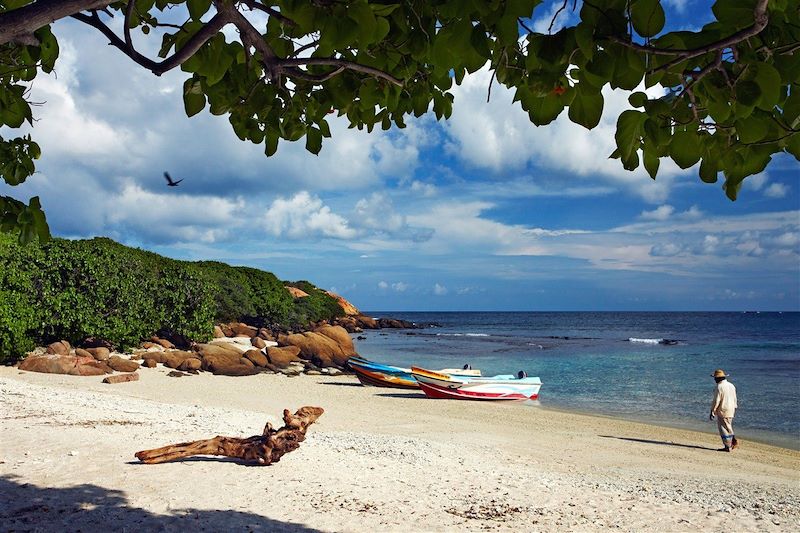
(646, 341)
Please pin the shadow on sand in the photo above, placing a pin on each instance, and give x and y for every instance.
(26, 507)
(336, 384)
(402, 395)
(661, 442)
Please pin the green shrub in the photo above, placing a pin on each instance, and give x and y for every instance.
(318, 305)
(98, 288)
(247, 294)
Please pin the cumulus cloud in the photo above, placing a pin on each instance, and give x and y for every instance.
(499, 137)
(439, 290)
(662, 212)
(305, 216)
(776, 190)
(397, 286)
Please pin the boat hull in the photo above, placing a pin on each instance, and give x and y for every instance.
(379, 375)
(445, 386)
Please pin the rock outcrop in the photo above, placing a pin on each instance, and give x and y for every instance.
(326, 346)
(64, 364)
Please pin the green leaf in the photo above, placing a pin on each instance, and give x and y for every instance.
(584, 37)
(686, 148)
(586, 108)
(708, 170)
(638, 99)
(630, 126)
(651, 163)
(793, 145)
(313, 140)
(748, 92)
(647, 17)
(193, 98)
(271, 139)
(768, 80)
(198, 8)
(752, 129)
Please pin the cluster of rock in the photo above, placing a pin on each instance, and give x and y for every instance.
(236, 350)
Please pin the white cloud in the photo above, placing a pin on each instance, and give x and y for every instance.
(499, 136)
(383, 285)
(399, 286)
(543, 21)
(662, 212)
(776, 190)
(422, 188)
(677, 5)
(305, 216)
(756, 182)
(439, 290)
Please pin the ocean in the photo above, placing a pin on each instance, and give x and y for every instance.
(652, 367)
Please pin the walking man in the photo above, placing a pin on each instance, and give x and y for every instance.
(723, 407)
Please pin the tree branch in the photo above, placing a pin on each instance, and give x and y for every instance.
(760, 21)
(258, 6)
(350, 65)
(197, 40)
(19, 24)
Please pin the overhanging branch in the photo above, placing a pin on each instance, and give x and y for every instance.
(197, 40)
(19, 24)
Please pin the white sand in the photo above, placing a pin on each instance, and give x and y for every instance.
(377, 460)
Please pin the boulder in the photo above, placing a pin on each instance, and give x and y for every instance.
(218, 332)
(163, 342)
(326, 346)
(258, 342)
(226, 330)
(122, 378)
(59, 348)
(150, 363)
(122, 365)
(341, 337)
(367, 322)
(176, 374)
(175, 358)
(221, 349)
(266, 334)
(100, 353)
(148, 345)
(243, 330)
(282, 357)
(218, 367)
(257, 357)
(64, 364)
(240, 344)
(80, 352)
(246, 362)
(191, 363)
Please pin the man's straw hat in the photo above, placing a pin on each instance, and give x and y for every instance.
(719, 373)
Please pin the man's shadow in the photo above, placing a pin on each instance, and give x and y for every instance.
(661, 442)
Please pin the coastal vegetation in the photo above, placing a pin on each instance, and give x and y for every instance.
(98, 288)
(725, 95)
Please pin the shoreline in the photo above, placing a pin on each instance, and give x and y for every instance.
(378, 459)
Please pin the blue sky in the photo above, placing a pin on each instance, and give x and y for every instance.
(482, 212)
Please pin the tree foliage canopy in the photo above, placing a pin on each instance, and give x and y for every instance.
(731, 99)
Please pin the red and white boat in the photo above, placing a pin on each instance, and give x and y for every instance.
(502, 387)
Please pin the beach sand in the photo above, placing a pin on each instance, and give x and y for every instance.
(377, 460)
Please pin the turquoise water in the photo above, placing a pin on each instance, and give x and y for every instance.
(589, 363)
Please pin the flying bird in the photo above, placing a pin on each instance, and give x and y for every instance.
(171, 183)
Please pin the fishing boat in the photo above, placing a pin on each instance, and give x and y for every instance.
(380, 375)
(501, 387)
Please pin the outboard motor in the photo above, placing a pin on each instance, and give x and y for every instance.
(522, 374)
(467, 367)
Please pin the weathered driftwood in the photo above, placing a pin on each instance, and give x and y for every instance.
(265, 449)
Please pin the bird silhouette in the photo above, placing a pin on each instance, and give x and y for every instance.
(171, 183)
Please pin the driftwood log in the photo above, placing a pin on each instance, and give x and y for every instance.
(265, 449)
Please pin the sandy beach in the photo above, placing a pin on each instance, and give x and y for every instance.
(377, 460)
